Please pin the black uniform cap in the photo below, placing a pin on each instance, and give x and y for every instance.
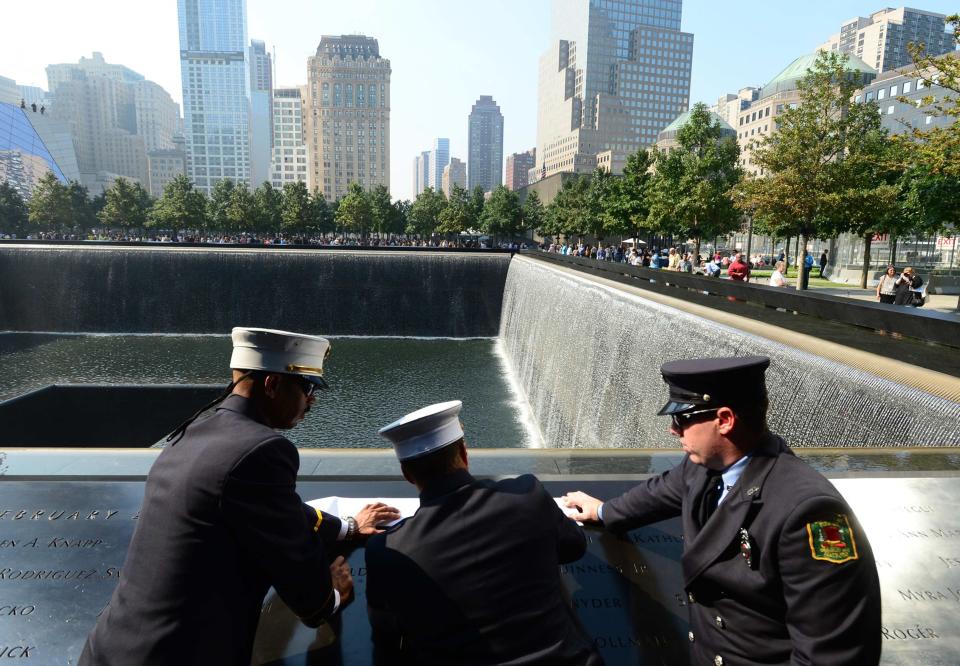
(706, 383)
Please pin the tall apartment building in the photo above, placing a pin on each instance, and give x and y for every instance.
(485, 145)
(518, 167)
(616, 73)
(439, 159)
(115, 117)
(728, 106)
(214, 75)
(289, 163)
(348, 118)
(454, 173)
(881, 39)
(261, 112)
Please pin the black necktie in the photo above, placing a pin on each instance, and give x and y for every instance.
(711, 495)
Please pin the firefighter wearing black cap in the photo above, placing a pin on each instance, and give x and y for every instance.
(776, 567)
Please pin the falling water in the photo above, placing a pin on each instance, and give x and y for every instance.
(587, 358)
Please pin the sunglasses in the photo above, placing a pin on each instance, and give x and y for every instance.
(308, 387)
(680, 421)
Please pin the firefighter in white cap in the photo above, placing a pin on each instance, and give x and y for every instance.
(221, 522)
(473, 577)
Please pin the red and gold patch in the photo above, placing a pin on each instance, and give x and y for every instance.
(832, 540)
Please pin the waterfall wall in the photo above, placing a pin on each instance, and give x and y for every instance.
(588, 355)
(169, 290)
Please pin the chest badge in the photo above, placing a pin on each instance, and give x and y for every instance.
(832, 540)
(746, 549)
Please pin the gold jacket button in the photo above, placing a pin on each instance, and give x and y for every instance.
(690, 636)
(719, 621)
(718, 660)
(690, 598)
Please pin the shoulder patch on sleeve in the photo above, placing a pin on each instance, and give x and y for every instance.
(832, 540)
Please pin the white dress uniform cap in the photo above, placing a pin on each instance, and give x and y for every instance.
(279, 351)
(425, 430)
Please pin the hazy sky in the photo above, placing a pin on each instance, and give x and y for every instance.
(444, 53)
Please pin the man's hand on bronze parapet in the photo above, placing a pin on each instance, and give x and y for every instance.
(586, 507)
(372, 515)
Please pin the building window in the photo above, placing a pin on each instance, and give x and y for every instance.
(881, 94)
(856, 100)
(890, 110)
(906, 87)
(893, 91)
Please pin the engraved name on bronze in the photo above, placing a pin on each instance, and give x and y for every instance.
(646, 640)
(17, 610)
(17, 651)
(11, 574)
(915, 633)
(943, 594)
(51, 542)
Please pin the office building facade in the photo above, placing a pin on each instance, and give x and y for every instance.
(616, 73)
(518, 167)
(261, 112)
(289, 164)
(881, 39)
(439, 159)
(348, 118)
(215, 79)
(24, 158)
(165, 165)
(485, 145)
(455, 173)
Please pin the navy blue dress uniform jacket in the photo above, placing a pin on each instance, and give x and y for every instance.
(784, 606)
(221, 522)
(473, 578)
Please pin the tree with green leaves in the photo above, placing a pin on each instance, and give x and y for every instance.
(218, 204)
(808, 184)
(502, 215)
(83, 212)
(627, 209)
(381, 209)
(569, 212)
(296, 213)
(457, 216)
(689, 192)
(601, 199)
(400, 217)
(13, 210)
(321, 214)
(355, 213)
(478, 200)
(50, 204)
(126, 205)
(241, 209)
(532, 212)
(937, 149)
(180, 207)
(424, 216)
(267, 205)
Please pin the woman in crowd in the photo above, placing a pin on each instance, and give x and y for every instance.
(887, 286)
(776, 278)
(906, 283)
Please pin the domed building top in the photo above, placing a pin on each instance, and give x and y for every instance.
(787, 79)
(669, 133)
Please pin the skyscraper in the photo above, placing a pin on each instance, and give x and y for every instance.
(261, 111)
(421, 172)
(348, 121)
(485, 149)
(289, 163)
(518, 167)
(454, 173)
(881, 39)
(616, 73)
(214, 75)
(439, 158)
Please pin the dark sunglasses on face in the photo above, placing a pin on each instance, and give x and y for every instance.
(680, 421)
(306, 386)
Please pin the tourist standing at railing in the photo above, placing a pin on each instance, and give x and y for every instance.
(673, 260)
(776, 278)
(887, 286)
(738, 270)
(907, 285)
(776, 567)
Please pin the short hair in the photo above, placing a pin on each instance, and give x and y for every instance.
(753, 415)
(434, 465)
